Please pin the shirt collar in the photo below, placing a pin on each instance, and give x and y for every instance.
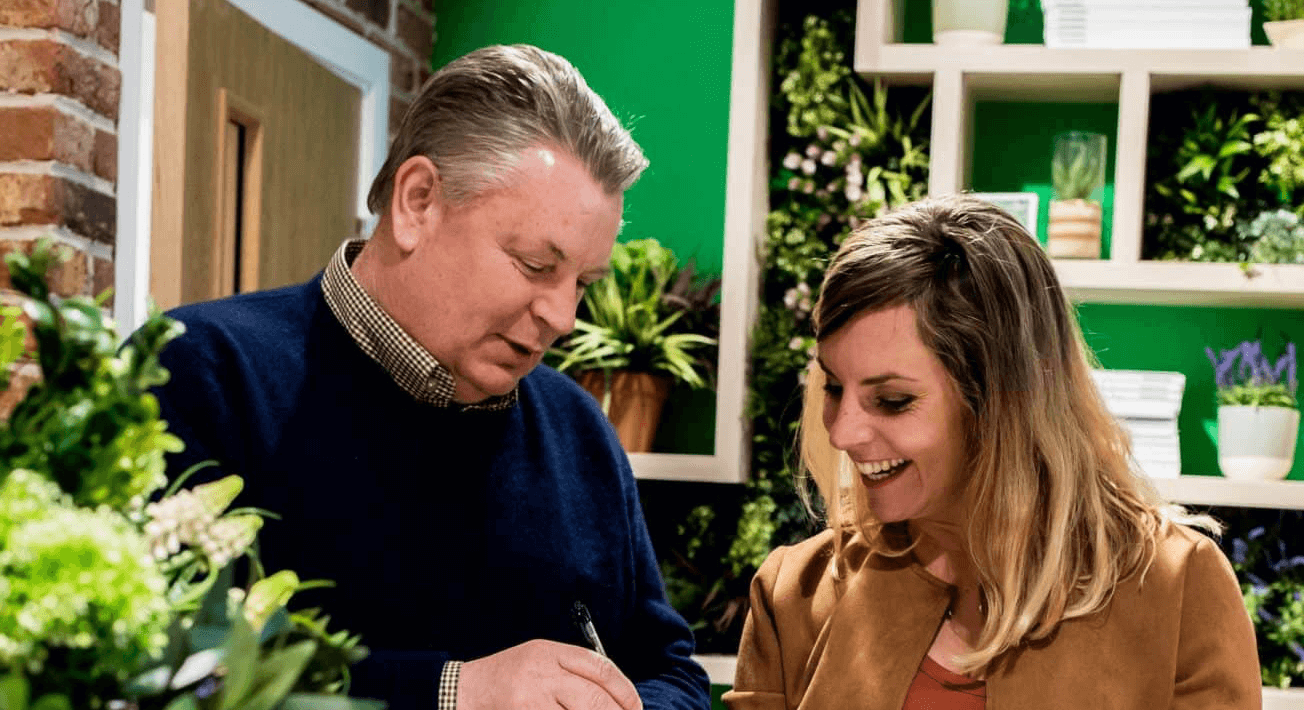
(413, 368)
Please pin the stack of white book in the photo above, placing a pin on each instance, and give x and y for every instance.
(1147, 24)
(1147, 404)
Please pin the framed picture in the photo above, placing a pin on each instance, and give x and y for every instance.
(1023, 205)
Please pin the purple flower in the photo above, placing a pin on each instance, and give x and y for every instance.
(1246, 364)
(1299, 650)
(1239, 549)
(1266, 615)
(1289, 563)
(1255, 534)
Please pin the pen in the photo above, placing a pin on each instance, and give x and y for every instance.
(580, 614)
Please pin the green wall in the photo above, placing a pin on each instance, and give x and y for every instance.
(663, 67)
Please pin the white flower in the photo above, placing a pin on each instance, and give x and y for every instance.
(822, 133)
(854, 176)
(854, 140)
(803, 288)
(853, 193)
(790, 298)
(796, 344)
(812, 151)
(791, 161)
(808, 166)
(794, 184)
(829, 158)
(808, 186)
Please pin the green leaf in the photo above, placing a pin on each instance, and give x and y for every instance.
(314, 701)
(240, 656)
(278, 674)
(13, 692)
(52, 701)
(183, 702)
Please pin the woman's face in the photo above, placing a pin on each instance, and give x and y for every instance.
(890, 405)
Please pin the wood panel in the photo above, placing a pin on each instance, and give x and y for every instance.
(308, 128)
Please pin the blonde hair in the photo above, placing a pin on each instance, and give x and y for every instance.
(476, 115)
(1059, 514)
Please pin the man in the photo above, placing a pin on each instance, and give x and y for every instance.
(393, 413)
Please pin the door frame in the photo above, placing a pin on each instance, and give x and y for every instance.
(153, 60)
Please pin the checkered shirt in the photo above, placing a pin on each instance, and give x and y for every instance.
(448, 685)
(385, 341)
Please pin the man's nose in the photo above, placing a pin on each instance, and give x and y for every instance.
(556, 307)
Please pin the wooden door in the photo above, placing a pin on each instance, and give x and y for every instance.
(256, 150)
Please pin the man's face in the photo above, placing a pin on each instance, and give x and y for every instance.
(496, 281)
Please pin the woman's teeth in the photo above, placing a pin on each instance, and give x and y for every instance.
(878, 470)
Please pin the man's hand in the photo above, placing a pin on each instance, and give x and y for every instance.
(545, 674)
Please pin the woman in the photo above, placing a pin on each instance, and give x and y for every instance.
(989, 539)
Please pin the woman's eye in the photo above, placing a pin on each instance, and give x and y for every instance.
(833, 391)
(896, 404)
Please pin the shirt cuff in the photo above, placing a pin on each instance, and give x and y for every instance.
(448, 685)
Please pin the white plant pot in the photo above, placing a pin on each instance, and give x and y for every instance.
(1257, 443)
(969, 22)
(1286, 34)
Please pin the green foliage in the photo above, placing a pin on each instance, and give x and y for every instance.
(850, 151)
(1278, 10)
(1276, 607)
(96, 585)
(1252, 395)
(626, 321)
(91, 424)
(1203, 147)
(1282, 144)
(1274, 238)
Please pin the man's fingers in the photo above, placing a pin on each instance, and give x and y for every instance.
(602, 673)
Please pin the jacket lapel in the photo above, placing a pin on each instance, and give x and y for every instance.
(869, 650)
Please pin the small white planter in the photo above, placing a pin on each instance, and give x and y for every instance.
(969, 22)
(1257, 443)
(1286, 34)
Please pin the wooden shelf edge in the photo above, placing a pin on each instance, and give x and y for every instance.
(1182, 283)
(686, 467)
(1230, 64)
(1217, 490)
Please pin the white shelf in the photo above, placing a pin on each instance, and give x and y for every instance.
(1182, 283)
(1216, 490)
(720, 668)
(687, 467)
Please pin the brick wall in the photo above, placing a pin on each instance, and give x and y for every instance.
(59, 90)
(404, 28)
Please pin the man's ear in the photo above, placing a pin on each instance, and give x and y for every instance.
(416, 204)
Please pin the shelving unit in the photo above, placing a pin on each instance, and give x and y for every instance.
(1216, 490)
(746, 200)
(961, 76)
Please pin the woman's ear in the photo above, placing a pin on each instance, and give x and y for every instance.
(416, 204)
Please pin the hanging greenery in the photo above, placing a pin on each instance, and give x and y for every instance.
(843, 151)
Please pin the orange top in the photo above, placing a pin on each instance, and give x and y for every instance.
(936, 688)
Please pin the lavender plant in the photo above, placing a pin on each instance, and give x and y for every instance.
(1247, 377)
(1272, 584)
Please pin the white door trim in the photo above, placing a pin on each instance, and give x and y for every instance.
(339, 50)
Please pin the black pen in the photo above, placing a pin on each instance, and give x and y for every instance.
(580, 614)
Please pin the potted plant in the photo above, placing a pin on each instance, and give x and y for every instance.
(1077, 176)
(625, 349)
(1284, 23)
(1275, 237)
(1258, 413)
(109, 601)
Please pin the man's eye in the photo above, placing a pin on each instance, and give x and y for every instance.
(532, 267)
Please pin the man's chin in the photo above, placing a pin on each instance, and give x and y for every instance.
(500, 382)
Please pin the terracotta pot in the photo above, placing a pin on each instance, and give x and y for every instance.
(636, 402)
(1074, 230)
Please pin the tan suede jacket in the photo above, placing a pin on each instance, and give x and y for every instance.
(1180, 640)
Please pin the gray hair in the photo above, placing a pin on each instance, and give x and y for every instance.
(478, 113)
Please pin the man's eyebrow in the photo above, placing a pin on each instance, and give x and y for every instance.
(868, 381)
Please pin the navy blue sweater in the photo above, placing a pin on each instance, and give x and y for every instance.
(449, 534)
